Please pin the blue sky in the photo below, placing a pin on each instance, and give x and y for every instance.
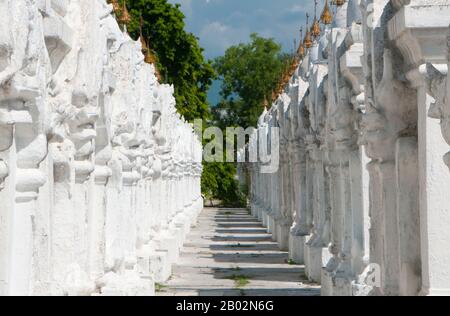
(222, 23)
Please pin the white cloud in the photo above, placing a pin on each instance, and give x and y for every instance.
(222, 23)
(217, 37)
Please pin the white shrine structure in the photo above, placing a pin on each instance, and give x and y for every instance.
(361, 195)
(99, 175)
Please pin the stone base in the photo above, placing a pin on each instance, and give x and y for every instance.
(128, 284)
(313, 263)
(160, 266)
(334, 286)
(259, 215)
(283, 233)
(264, 219)
(169, 244)
(326, 283)
(180, 236)
(195, 211)
(271, 228)
(297, 248)
(363, 290)
(191, 219)
(342, 287)
(435, 292)
(254, 211)
(76, 283)
(327, 274)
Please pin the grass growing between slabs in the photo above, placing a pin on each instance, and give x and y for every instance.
(239, 280)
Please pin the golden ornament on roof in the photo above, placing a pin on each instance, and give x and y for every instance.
(282, 85)
(294, 66)
(316, 25)
(301, 47)
(145, 48)
(327, 16)
(150, 58)
(338, 2)
(125, 17)
(316, 28)
(144, 45)
(301, 50)
(115, 4)
(158, 74)
(307, 41)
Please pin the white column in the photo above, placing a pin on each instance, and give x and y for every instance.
(423, 39)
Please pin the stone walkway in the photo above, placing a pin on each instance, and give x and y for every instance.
(229, 253)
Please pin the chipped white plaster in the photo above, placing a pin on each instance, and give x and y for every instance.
(99, 176)
(367, 188)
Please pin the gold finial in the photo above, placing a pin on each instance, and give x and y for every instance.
(141, 37)
(307, 41)
(285, 76)
(301, 48)
(279, 90)
(283, 86)
(338, 2)
(294, 65)
(327, 16)
(125, 17)
(158, 75)
(145, 48)
(316, 26)
(115, 4)
(150, 57)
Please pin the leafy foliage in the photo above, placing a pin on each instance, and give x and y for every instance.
(180, 58)
(180, 62)
(249, 73)
(218, 182)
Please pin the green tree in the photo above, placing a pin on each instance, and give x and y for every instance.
(180, 58)
(180, 62)
(218, 182)
(249, 73)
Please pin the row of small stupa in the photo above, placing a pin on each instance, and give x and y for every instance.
(312, 32)
(124, 19)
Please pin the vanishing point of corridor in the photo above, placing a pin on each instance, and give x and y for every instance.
(229, 253)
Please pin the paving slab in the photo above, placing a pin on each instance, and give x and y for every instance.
(230, 253)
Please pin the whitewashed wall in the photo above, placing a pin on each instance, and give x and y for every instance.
(367, 186)
(99, 175)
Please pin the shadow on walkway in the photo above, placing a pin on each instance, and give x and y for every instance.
(229, 253)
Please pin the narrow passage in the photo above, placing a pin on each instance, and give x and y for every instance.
(230, 253)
